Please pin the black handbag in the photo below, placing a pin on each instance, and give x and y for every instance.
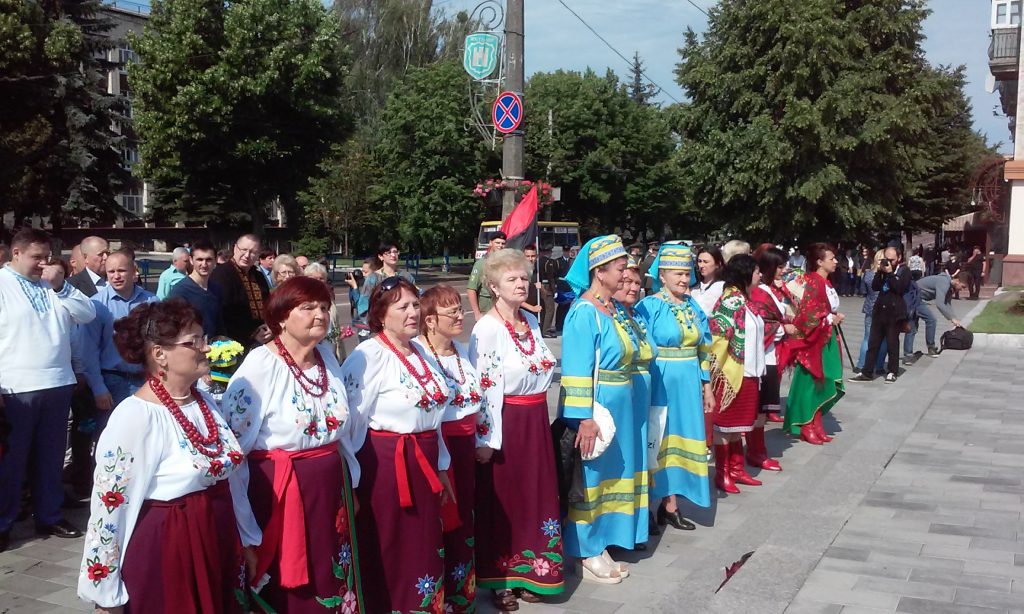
(568, 464)
(957, 339)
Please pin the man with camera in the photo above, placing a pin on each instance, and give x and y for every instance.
(892, 278)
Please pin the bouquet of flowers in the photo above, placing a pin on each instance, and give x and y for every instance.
(224, 356)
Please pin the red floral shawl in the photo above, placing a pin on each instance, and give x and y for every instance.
(812, 328)
(762, 304)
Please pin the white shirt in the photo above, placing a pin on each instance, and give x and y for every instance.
(833, 301)
(142, 454)
(707, 295)
(769, 354)
(753, 349)
(460, 401)
(36, 326)
(384, 396)
(505, 371)
(268, 410)
(93, 276)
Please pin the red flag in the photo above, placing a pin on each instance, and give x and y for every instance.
(521, 225)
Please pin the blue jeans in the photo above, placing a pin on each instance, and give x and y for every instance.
(925, 313)
(39, 428)
(908, 338)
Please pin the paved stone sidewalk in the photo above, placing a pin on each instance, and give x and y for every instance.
(816, 507)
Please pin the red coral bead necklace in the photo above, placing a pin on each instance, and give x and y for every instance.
(423, 379)
(515, 336)
(314, 387)
(458, 361)
(199, 442)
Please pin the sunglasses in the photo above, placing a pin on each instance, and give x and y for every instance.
(455, 315)
(196, 343)
(390, 283)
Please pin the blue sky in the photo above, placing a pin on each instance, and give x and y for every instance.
(957, 33)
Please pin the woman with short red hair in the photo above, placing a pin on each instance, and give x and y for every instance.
(293, 499)
(399, 400)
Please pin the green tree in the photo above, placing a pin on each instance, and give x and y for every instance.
(429, 159)
(58, 155)
(802, 115)
(641, 90)
(611, 156)
(948, 156)
(237, 104)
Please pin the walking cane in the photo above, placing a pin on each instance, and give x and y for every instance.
(842, 336)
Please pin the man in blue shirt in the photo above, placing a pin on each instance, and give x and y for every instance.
(111, 379)
(197, 290)
(174, 273)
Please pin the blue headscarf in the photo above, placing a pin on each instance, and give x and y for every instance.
(594, 253)
(675, 256)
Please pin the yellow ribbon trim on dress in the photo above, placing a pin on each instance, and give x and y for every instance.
(614, 496)
(687, 454)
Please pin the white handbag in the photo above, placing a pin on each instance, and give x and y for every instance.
(601, 416)
(657, 418)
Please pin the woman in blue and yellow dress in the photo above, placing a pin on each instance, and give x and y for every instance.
(598, 346)
(681, 388)
(628, 296)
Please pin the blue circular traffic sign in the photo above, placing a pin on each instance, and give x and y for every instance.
(507, 112)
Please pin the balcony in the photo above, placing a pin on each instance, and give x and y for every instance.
(1004, 53)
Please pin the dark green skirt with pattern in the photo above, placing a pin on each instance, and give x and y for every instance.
(807, 396)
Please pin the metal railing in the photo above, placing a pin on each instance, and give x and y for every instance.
(1005, 44)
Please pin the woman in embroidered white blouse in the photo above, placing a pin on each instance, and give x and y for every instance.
(161, 535)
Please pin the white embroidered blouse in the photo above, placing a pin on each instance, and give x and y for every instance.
(268, 410)
(384, 396)
(505, 370)
(466, 396)
(142, 454)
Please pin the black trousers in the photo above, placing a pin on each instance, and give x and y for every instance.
(974, 284)
(890, 331)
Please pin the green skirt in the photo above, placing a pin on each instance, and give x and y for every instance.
(807, 396)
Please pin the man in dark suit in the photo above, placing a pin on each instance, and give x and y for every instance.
(549, 280)
(243, 291)
(891, 281)
(94, 251)
(94, 255)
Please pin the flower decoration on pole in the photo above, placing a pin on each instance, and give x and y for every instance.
(488, 186)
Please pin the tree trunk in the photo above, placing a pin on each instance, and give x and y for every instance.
(257, 215)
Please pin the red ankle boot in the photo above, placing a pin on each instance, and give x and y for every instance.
(757, 451)
(736, 470)
(773, 416)
(723, 481)
(810, 434)
(820, 428)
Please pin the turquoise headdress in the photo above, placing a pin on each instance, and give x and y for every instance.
(594, 253)
(670, 256)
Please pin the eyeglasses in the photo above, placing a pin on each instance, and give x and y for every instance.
(455, 315)
(251, 252)
(393, 252)
(196, 343)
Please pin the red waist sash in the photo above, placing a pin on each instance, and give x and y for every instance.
(402, 471)
(285, 534)
(189, 523)
(526, 399)
(462, 426)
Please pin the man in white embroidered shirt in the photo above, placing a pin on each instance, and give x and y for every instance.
(38, 310)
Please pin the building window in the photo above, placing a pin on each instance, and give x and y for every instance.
(131, 200)
(125, 55)
(129, 156)
(1006, 13)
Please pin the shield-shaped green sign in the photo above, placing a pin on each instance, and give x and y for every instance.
(481, 56)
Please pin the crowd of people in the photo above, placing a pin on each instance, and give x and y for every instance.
(414, 470)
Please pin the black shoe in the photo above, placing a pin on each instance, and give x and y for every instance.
(5, 540)
(63, 529)
(675, 519)
(548, 335)
(640, 547)
(860, 378)
(71, 503)
(652, 525)
(856, 371)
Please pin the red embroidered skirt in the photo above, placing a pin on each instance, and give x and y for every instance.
(741, 414)
(517, 509)
(185, 556)
(332, 564)
(459, 567)
(401, 547)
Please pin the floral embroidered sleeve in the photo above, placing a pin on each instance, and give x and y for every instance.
(127, 457)
(580, 338)
(240, 407)
(486, 356)
(362, 385)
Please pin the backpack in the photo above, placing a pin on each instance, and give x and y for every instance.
(956, 339)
